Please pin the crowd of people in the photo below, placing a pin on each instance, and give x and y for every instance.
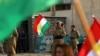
(12, 43)
(59, 48)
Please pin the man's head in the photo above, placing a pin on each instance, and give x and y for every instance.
(73, 27)
(59, 24)
(22, 31)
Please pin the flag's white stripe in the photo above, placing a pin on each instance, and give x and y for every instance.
(39, 32)
(91, 53)
(41, 23)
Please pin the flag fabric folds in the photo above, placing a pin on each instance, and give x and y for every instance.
(41, 25)
(12, 12)
(86, 49)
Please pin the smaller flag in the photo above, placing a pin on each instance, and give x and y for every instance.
(86, 49)
(41, 25)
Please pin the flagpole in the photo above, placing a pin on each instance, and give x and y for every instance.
(72, 14)
(85, 23)
(53, 11)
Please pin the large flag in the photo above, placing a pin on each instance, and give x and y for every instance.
(41, 25)
(86, 49)
(12, 12)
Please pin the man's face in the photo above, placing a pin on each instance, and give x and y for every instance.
(59, 24)
(73, 28)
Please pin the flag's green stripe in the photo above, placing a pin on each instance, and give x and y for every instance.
(45, 28)
(12, 12)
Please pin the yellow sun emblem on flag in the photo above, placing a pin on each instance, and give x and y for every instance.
(39, 27)
(97, 48)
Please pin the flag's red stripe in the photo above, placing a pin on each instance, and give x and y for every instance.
(96, 30)
(36, 22)
(86, 48)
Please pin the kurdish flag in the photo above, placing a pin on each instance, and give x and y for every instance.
(13, 12)
(86, 49)
(41, 25)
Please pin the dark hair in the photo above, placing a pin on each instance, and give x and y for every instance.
(73, 26)
(66, 49)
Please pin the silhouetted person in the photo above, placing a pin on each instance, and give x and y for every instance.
(23, 38)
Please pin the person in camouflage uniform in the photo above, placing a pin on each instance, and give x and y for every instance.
(74, 35)
(12, 43)
(1, 48)
(58, 35)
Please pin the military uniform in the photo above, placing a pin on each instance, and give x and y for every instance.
(1, 48)
(12, 44)
(74, 40)
(58, 35)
